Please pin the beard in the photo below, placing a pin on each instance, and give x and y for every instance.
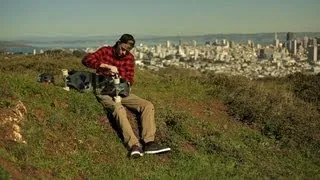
(119, 55)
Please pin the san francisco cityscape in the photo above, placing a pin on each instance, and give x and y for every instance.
(142, 89)
(252, 58)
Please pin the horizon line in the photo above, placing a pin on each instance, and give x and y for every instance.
(177, 34)
(17, 38)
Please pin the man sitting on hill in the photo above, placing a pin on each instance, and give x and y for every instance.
(109, 61)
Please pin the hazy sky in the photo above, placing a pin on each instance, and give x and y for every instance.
(20, 18)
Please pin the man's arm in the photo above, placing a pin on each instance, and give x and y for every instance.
(95, 60)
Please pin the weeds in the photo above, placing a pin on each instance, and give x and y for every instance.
(275, 133)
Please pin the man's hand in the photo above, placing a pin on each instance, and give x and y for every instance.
(113, 69)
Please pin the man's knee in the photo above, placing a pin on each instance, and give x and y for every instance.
(118, 108)
(148, 105)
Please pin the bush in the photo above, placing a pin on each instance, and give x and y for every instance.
(79, 54)
(306, 87)
(271, 108)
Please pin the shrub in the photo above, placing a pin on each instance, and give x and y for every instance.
(271, 107)
(306, 87)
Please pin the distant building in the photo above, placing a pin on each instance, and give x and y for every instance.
(224, 41)
(158, 48)
(180, 51)
(168, 44)
(290, 42)
(162, 55)
(140, 55)
(180, 42)
(277, 43)
(262, 55)
(139, 63)
(295, 47)
(232, 44)
(315, 50)
(196, 54)
(250, 43)
(305, 42)
(194, 42)
(290, 36)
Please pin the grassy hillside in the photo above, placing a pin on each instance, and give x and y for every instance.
(218, 127)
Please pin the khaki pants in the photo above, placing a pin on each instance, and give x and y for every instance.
(142, 106)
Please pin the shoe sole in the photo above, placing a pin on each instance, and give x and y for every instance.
(158, 151)
(136, 154)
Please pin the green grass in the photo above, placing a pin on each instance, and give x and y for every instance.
(218, 127)
(4, 174)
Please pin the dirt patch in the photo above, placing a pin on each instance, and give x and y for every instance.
(16, 172)
(10, 121)
(165, 158)
(12, 169)
(210, 110)
(40, 114)
(56, 103)
(188, 148)
(56, 145)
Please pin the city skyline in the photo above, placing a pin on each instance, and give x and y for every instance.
(160, 18)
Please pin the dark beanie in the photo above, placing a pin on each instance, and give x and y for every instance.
(127, 37)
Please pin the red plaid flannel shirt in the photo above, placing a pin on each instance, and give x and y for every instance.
(107, 55)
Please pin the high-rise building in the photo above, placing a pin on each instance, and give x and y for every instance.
(258, 46)
(168, 44)
(290, 36)
(227, 45)
(305, 42)
(180, 51)
(277, 43)
(262, 54)
(224, 41)
(162, 55)
(158, 48)
(295, 47)
(187, 51)
(232, 44)
(250, 44)
(196, 54)
(140, 55)
(315, 50)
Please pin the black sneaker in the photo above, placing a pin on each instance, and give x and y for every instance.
(136, 151)
(154, 148)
